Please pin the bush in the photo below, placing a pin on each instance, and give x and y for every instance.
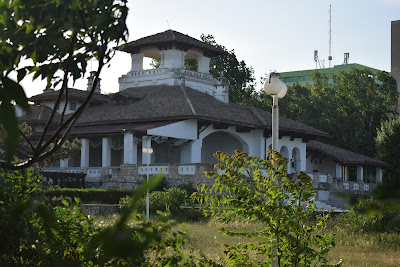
(89, 195)
(32, 233)
(370, 216)
(174, 201)
(248, 189)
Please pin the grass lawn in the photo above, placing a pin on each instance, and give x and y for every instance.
(356, 250)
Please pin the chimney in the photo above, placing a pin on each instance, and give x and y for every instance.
(90, 83)
(222, 90)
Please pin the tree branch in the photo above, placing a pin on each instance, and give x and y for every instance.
(68, 124)
(57, 103)
(27, 140)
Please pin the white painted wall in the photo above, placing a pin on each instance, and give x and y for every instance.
(296, 143)
(185, 156)
(326, 166)
(181, 130)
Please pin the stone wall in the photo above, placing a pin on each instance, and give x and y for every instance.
(128, 176)
(334, 191)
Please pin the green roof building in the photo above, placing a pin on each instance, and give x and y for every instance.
(303, 76)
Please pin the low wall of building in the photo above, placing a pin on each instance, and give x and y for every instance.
(100, 209)
(130, 176)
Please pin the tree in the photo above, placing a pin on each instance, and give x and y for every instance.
(240, 77)
(69, 148)
(350, 107)
(387, 149)
(250, 189)
(56, 38)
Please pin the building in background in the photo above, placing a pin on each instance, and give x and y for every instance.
(185, 116)
(303, 76)
(395, 53)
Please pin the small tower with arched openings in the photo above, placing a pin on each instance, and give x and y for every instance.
(178, 59)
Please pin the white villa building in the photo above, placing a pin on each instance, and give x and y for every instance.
(185, 116)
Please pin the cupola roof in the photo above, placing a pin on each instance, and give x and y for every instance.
(167, 39)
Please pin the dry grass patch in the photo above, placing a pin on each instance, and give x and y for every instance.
(356, 249)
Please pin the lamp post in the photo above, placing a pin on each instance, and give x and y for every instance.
(148, 151)
(274, 87)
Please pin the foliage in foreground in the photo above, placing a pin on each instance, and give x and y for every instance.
(252, 189)
(53, 40)
(35, 234)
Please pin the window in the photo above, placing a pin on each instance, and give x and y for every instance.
(72, 106)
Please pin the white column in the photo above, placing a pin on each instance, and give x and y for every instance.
(303, 158)
(338, 171)
(63, 163)
(204, 64)
(136, 62)
(195, 151)
(173, 59)
(146, 142)
(130, 149)
(378, 175)
(106, 152)
(85, 152)
(360, 173)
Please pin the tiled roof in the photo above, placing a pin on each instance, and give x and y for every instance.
(172, 103)
(73, 94)
(344, 156)
(39, 114)
(171, 37)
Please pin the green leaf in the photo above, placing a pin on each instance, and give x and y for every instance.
(10, 90)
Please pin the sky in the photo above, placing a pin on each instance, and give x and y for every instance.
(279, 35)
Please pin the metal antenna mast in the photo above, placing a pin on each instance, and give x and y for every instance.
(330, 35)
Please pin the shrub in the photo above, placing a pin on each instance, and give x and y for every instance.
(174, 201)
(89, 195)
(32, 233)
(253, 189)
(370, 215)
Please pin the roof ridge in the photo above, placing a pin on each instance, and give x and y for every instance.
(187, 99)
(256, 114)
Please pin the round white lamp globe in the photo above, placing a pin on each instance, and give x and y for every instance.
(273, 84)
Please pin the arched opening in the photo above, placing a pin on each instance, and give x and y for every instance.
(192, 61)
(151, 60)
(285, 152)
(220, 141)
(295, 160)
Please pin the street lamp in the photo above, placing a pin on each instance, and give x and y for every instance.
(274, 87)
(148, 151)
